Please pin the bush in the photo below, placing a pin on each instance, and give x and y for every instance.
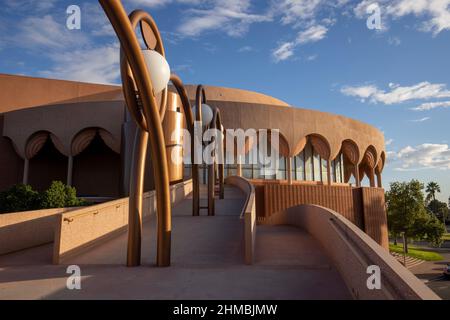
(23, 198)
(19, 198)
(59, 196)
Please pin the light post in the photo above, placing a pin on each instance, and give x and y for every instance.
(145, 75)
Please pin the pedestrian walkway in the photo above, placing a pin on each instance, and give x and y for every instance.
(207, 263)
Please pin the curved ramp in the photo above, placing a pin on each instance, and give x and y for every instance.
(208, 263)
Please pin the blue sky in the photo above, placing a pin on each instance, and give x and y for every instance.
(314, 54)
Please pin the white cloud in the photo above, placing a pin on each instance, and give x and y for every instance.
(389, 142)
(424, 156)
(296, 11)
(397, 94)
(432, 105)
(44, 32)
(160, 3)
(435, 12)
(95, 65)
(312, 34)
(283, 52)
(232, 17)
(421, 119)
(28, 5)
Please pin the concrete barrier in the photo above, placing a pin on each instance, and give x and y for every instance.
(82, 229)
(352, 252)
(22, 230)
(248, 214)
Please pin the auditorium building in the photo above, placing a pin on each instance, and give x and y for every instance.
(81, 134)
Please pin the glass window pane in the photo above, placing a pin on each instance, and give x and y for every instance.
(324, 170)
(317, 165)
(300, 166)
(309, 163)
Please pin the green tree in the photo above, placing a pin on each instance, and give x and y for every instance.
(438, 209)
(408, 216)
(431, 190)
(19, 198)
(434, 230)
(59, 196)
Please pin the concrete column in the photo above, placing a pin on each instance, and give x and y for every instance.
(289, 169)
(372, 177)
(358, 183)
(69, 170)
(26, 169)
(379, 183)
(329, 172)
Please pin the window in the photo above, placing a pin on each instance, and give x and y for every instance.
(299, 166)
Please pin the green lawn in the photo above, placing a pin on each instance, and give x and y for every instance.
(416, 252)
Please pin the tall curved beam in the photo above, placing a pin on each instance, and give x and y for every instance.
(217, 122)
(200, 98)
(149, 121)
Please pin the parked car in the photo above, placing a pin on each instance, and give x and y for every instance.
(447, 271)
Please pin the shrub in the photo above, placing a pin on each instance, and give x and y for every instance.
(19, 198)
(59, 196)
(23, 198)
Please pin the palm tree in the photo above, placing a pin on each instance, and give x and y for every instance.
(431, 190)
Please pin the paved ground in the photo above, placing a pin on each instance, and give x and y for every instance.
(207, 263)
(431, 273)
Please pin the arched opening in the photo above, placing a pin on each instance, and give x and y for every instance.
(96, 167)
(379, 169)
(267, 161)
(11, 164)
(350, 159)
(46, 162)
(367, 166)
(317, 159)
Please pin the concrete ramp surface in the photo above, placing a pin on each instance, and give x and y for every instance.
(207, 263)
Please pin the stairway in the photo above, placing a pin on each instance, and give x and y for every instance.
(410, 261)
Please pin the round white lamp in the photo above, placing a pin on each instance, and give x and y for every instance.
(207, 115)
(158, 68)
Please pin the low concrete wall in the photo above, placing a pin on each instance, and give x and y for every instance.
(82, 229)
(21, 230)
(352, 251)
(365, 207)
(248, 214)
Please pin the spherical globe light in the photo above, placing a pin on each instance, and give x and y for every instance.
(207, 115)
(158, 69)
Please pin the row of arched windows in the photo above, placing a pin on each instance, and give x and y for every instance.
(92, 167)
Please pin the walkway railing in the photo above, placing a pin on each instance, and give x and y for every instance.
(248, 214)
(79, 230)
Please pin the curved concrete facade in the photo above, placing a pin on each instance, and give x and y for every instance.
(70, 114)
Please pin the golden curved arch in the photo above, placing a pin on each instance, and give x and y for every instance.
(351, 151)
(85, 136)
(37, 141)
(370, 157)
(143, 106)
(299, 146)
(320, 145)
